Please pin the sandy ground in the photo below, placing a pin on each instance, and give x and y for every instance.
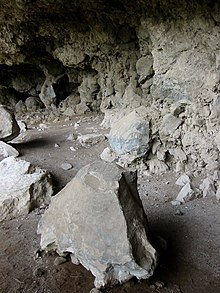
(191, 262)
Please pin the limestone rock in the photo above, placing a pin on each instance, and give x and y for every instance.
(22, 187)
(90, 139)
(208, 187)
(130, 135)
(6, 150)
(108, 155)
(157, 167)
(169, 124)
(185, 194)
(100, 219)
(183, 180)
(9, 128)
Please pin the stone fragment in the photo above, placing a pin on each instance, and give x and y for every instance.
(108, 155)
(90, 139)
(6, 150)
(218, 192)
(9, 128)
(33, 104)
(22, 125)
(100, 219)
(130, 135)
(183, 180)
(66, 166)
(59, 260)
(208, 187)
(95, 290)
(217, 140)
(22, 187)
(157, 167)
(169, 124)
(144, 67)
(185, 194)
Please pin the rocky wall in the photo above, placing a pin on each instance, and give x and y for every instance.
(115, 56)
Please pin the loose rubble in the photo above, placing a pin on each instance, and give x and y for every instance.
(99, 218)
(23, 187)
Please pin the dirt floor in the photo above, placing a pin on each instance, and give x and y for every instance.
(191, 262)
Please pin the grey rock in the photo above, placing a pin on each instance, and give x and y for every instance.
(22, 187)
(6, 150)
(130, 135)
(90, 139)
(33, 104)
(169, 124)
(183, 180)
(95, 290)
(185, 194)
(108, 155)
(157, 167)
(59, 260)
(99, 218)
(208, 187)
(66, 166)
(9, 128)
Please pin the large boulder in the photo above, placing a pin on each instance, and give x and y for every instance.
(99, 218)
(130, 135)
(9, 128)
(22, 187)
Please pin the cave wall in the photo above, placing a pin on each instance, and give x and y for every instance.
(114, 56)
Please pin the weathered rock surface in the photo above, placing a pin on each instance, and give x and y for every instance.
(130, 135)
(9, 128)
(129, 59)
(22, 187)
(99, 218)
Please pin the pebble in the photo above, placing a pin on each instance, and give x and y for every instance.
(95, 290)
(59, 260)
(66, 166)
(179, 213)
(56, 145)
(72, 149)
(159, 284)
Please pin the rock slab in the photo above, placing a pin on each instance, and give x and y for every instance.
(22, 187)
(99, 218)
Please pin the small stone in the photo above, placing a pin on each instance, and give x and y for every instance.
(94, 290)
(74, 259)
(179, 213)
(56, 145)
(7, 151)
(72, 137)
(108, 155)
(66, 166)
(153, 287)
(72, 149)
(159, 284)
(59, 260)
(175, 202)
(90, 139)
(185, 194)
(182, 180)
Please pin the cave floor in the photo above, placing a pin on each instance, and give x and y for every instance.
(191, 262)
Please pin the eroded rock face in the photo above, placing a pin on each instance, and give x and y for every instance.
(22, 187)
(120, 55)
(99, 218)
